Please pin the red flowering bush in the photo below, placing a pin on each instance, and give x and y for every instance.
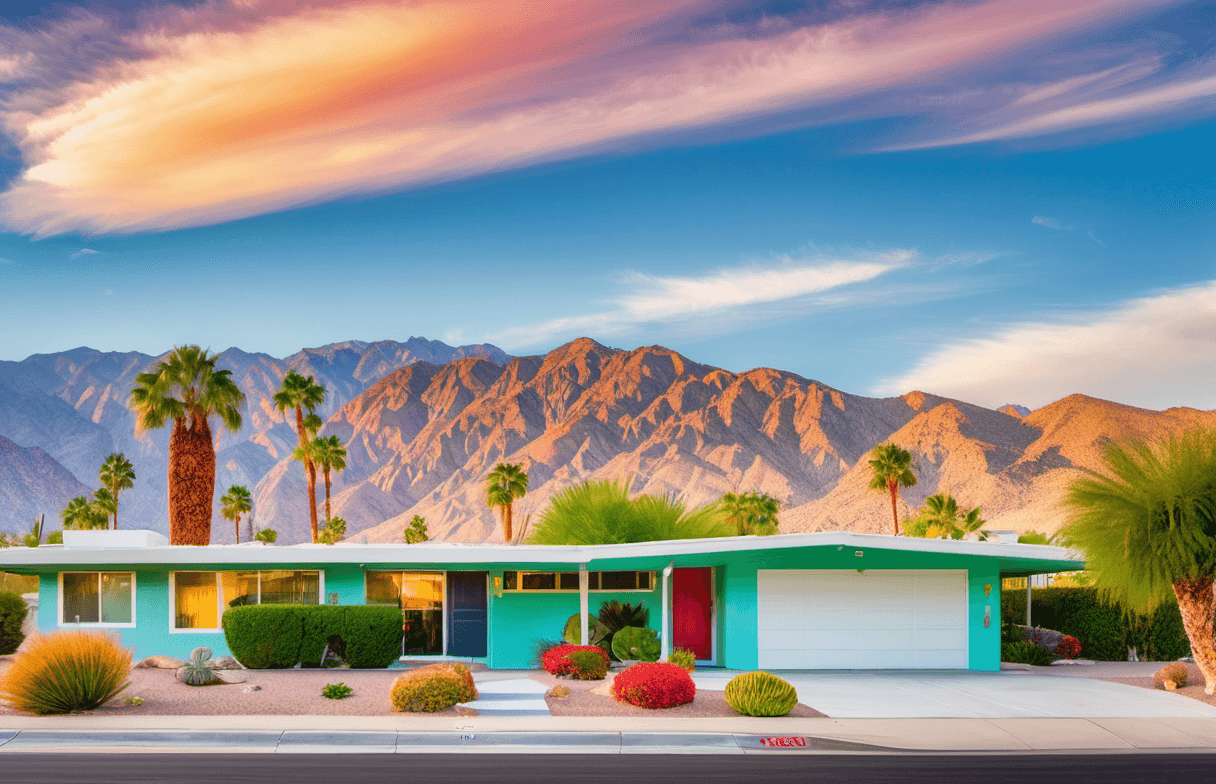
(1069, 647)
(556, 661)
(654, 685)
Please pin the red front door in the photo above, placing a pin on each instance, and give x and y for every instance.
(691, 610)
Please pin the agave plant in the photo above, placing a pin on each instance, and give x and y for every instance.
(199, 670)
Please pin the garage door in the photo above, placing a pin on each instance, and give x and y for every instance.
(862, 620)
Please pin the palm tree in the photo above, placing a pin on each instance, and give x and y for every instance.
(504, 484)
(329, 455)
(302, 393)
(751, 513)
(116, 473)
(1146, 523)
(104, 505)
(187, 389)
(81, 514)
(892, 467)
(603, 513)
(233, 504)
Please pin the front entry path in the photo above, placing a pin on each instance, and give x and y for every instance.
(908, 694)
(506, 693)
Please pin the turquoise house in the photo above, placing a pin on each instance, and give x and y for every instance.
(830, 600)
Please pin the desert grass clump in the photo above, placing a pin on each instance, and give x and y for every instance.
(761, 694)
(1171, 676)
(433, 688)
(682, 657)
(64, 672)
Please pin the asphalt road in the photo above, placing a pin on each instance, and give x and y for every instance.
(26, 768)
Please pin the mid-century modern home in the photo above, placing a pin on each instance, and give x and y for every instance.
(794, 601)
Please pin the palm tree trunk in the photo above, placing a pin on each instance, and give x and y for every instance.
(114, 490)
(894, 488)
(237, 525)
(326, 496)
(1196, 603)
(506, 522)
(311, 470)
(191, 481)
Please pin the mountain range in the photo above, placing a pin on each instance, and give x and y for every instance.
(425, 422)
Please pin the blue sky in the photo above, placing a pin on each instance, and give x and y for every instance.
(811, 187)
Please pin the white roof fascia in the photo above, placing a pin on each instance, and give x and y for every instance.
(441, 552)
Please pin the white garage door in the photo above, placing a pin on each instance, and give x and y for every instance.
(862, 620)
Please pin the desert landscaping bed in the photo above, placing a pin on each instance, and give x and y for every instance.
(1193, 677)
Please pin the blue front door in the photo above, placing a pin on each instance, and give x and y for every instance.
(467, 613)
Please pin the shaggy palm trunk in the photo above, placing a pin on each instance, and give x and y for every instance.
(1196, 603)
(311, 471)
(236, 524)
(114, 490)
(506, 522)
(191, 481)
(326, 497)
(894, 488)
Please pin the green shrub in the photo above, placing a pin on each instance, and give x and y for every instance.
(265, 636)
(198, 671)
(64, 672)
(12, 614)
(336, 691)
(267, 535)
(588, 665)
(683, 657)
(1025, 653)
(636, 643)
(760, 694)
(433, 688)
(1105, 631)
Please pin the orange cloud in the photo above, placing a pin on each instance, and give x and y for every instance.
(297, 104)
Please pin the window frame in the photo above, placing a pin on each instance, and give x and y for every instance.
(443, 630)
(557, 582)
(96, 624)
(221, 604)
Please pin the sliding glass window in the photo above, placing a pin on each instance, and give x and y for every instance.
(99, 598)
(420, 597)
(200, 598)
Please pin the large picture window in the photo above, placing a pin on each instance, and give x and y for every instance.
(420, 597)
(200, 598)
(97, 598)
(568, 581)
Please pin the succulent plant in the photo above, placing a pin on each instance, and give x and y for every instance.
(761, 694)
(336, 691)
(634, 643)
(573, 631)
(198, 670)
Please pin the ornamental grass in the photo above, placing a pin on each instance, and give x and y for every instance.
(64, 672)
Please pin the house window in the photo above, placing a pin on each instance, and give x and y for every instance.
(568, 581)
(419, 595)
(200, 598)
(97, 598)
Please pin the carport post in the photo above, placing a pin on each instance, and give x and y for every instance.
(664, 635)
(583, 585)
(1028, 600)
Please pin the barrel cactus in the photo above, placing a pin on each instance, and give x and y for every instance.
(198, 671)
(760, 694)
(634, 643)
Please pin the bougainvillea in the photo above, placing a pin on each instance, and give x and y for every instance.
(1069, 647)
(556, 661)
(654, 685)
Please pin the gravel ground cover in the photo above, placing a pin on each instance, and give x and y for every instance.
(1193, 677)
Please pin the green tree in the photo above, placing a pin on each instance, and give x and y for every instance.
(892, 467)
(1146, 522)
(941, 518)
(187, 390)
(504, 485)
(81, 514)
(116, 474)
(234, 504)
(329, 455)
(301, 393)
(416, 531)
(752, 514)
(104, 506)
(334, 530)
(603, 513)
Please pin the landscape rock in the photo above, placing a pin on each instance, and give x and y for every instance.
(252, 687)
(225, 663)
(160, 663)
(227, 676)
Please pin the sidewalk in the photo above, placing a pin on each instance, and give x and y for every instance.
(395, 734)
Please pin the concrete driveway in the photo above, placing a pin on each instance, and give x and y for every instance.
(909, 694)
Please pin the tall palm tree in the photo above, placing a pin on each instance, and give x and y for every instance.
(892, 467)
(187, 390)
(1146, 523)
(81, 514)
(235, 503)
(116, 473)
(504, 484)
(751, 513)
(329, 455)
(104, 505)
(300, 393)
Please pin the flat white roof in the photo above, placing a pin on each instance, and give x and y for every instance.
(522, 555)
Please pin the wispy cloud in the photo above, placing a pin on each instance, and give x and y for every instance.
(1157, 351)
(1050, 223)
(717, 302)
(230, 109)
(83, 252)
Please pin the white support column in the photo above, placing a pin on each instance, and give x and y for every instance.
(583, 602)
(665, 634)
(1028, 600)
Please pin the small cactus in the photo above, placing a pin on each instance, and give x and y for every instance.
(198, 671)
(760, 694)
(1170, 677)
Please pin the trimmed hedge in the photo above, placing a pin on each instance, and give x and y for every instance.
(1104, 630)
(278, 636)
(12, 615)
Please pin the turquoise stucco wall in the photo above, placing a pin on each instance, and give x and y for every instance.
(517, 619)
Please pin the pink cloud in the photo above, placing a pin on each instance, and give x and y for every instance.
(192, 117)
